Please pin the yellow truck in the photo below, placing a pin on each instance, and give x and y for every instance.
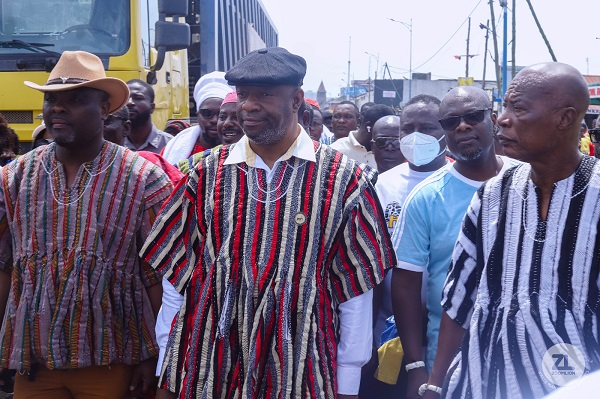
(141, 39)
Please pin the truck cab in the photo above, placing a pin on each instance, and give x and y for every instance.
(134, 39)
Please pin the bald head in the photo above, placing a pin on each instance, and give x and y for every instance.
(469, 96)
(387, 123)
(558, 85)
(386, 140)
(543, 109)
(466, 117)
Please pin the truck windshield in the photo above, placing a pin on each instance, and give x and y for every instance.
(96, 26)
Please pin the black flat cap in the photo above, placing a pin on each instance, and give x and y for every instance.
(272, 66)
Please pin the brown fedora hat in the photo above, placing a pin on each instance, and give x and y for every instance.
(81, 69)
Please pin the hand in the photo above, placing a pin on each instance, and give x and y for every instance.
(416, 378)
(143, 378)
(164, 394)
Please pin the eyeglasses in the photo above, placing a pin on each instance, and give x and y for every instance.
(208, 113)
(383, 142)
(471, 118)
(594, 135)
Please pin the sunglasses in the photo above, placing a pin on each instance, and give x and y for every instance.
(471, 118)
(594, 135)
(208, 113)
(383, 142)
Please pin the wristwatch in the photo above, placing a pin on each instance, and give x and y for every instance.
(429, 387)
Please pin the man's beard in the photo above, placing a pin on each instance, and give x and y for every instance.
(268, 136)
(472, 156)
(140, 119)
(210, 140)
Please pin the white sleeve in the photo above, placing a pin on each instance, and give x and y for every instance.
(356, 337)
(171, 303)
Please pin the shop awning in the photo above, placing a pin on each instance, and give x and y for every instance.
(594, 89)
(593, 109)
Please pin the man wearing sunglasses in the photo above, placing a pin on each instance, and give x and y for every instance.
(386, 143)
(357, 145)
(144, 135)
(209, 92)
(521, 298)
(431, 217)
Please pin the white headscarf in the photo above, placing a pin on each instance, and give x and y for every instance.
(211, 85)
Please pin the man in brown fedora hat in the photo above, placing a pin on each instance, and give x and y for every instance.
(77, 302)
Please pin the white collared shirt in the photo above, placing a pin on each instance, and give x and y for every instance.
(351, 148)
(302, 148)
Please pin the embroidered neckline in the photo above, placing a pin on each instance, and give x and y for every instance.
(51, 151)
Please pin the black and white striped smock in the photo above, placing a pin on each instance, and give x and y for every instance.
(520, 285)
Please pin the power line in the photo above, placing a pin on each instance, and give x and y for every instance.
(433, 75)
(451, 37)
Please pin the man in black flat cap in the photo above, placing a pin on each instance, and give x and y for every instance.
(269, 252)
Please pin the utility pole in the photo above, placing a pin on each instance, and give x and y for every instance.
(410, 29)
(503, 3)
(537, 22)
(348, 80)
(377, 59)
(514, 38)
(587, 61)
(410, 64)
(369, 79)
(376, 69)
(496, 57)
(468, 37)
(487, 35)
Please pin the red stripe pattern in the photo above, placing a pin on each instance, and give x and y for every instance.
(262, 267)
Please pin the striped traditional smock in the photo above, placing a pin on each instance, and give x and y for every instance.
(78, 294)
(520, 285)
(262, 267)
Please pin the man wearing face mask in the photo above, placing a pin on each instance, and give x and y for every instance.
(357, 145)
(419, 122)
(431, 217)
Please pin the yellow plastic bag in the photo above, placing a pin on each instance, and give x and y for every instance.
(390, 357)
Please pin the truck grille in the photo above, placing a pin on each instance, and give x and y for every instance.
(18, 116)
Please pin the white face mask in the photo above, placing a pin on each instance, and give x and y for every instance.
(420, 149)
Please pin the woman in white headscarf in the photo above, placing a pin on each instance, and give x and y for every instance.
(209, 92)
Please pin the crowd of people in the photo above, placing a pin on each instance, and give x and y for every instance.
(273, 249)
